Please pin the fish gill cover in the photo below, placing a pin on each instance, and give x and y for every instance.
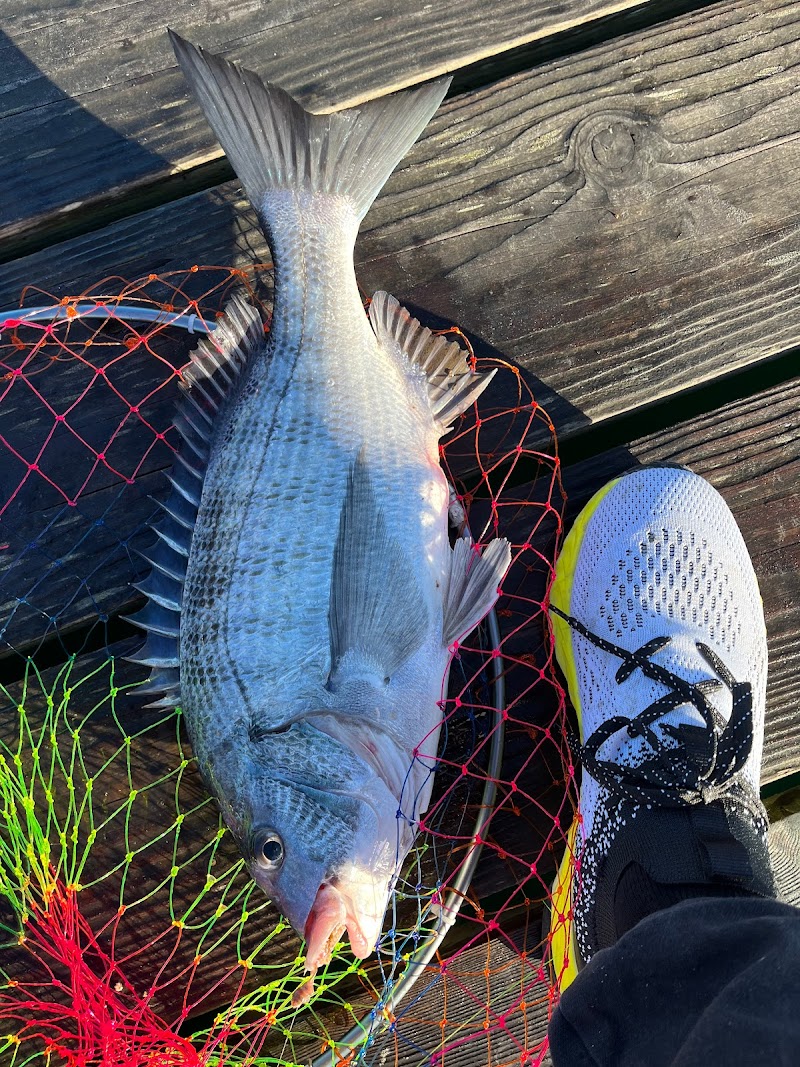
(131, 931)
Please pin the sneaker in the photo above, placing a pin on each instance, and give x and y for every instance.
(659, 630)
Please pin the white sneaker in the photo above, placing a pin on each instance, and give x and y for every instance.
(659, 630)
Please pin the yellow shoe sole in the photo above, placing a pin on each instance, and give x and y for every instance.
(564, 957)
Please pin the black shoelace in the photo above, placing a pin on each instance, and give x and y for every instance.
(702, 765)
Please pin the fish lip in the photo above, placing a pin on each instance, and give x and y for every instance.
(321, 940)
(331, 914)
(321, 937)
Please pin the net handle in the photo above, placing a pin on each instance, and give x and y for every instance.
(191, 323)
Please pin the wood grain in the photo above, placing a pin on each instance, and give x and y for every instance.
(623, 223)
(466, 230)
(480, 999)
(105, 108)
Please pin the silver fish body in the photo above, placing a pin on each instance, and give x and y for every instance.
(322, 400)
(306, 552)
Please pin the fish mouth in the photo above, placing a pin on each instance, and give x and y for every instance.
(331, 914)
(335, 910)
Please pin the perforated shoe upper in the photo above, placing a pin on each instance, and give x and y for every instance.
(660, 630)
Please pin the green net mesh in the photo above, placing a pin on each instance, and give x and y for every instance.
(132, 932)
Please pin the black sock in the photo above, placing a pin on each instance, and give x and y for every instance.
(661, 856)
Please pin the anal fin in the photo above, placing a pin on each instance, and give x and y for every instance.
(452, 384)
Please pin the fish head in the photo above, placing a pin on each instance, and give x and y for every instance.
(325, 846)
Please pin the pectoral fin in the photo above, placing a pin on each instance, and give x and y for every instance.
(376, 607)
(473, 584)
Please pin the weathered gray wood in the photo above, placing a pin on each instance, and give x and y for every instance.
(67, 546)
(468, 228)
(93, 107)
(480, 999)
(622, 223)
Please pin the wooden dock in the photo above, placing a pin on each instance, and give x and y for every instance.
(610, 200)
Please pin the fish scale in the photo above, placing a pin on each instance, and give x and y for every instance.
(304, 593)
(269, 447)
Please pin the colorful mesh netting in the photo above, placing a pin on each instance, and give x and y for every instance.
(132, 932)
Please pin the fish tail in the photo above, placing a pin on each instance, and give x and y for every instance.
(275, 144)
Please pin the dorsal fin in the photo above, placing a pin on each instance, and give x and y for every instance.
(215, 365)
(219, 358)
(452, 385)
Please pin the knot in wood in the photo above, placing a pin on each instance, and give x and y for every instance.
(613, 148)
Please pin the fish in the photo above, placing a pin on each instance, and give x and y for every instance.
(304, 600)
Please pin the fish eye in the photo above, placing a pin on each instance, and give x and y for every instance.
(268, 851)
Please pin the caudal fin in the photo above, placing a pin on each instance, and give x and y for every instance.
(273, 143)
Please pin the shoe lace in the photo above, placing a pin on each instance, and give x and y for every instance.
(702, 765)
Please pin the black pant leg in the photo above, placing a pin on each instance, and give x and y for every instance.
(706, 983)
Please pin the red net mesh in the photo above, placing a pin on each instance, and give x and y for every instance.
(134, 934)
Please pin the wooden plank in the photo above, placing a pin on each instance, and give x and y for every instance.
(492, 998)
(69, 529)
(103, 103)
(622, 224)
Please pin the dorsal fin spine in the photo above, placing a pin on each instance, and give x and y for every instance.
(221, 356)
(187, 486)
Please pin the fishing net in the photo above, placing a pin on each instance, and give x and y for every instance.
(131, 931)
